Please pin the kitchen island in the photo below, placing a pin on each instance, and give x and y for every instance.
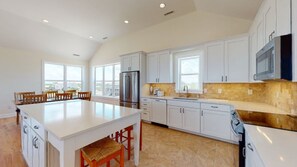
(71, 125)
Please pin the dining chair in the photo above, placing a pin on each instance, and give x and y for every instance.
(51, 94)
(32, 99)
(73, 92)
(85, 95)
(18, 100)
(63, 96)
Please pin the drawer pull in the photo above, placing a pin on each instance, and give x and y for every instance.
(144, 104)
(145, 113)
(25, 117)
(214, 107)
(36, 127)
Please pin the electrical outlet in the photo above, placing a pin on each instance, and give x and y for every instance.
(205, 90)
(277, 94)
(250, 91)
(220, 91)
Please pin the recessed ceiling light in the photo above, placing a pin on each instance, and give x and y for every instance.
(104, 38)
(45, 21)
(91, 37)
(126, 21)
(162, 5)
(77, 55)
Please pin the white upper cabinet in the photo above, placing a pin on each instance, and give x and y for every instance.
(214, 62)
(159, 67)
(236, 60)
(130, 62)
(283, 17)
(227, 61)
(270, 20)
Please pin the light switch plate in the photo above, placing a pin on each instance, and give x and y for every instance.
(250, 91)
(220, 91)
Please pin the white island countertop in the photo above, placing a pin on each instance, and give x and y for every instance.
(276, 148)
(67, 118)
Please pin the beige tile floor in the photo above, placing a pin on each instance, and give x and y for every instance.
(162, 147)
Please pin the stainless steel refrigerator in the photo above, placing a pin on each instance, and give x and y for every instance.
(129, 89)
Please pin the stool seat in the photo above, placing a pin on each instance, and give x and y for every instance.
(102, 151)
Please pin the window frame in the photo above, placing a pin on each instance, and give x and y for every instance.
(113, 81)
(65, 81)
(188, 53)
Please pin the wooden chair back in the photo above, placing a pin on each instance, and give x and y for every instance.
(73, 92)
(32, 99)
(51, 94)
(63, 96)
(85, 95)
(19, 96)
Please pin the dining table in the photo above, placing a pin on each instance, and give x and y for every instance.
(73, 124)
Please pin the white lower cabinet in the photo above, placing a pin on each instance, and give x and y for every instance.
(158, 111)
(252, 158)
(215, 121)
(184, 118)
(33, 145)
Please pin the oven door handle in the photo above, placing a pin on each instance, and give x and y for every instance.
(233, 130)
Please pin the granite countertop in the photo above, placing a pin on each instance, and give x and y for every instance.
(276, 148)
(237, 105)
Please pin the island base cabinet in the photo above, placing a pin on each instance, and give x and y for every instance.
(38, 151)
(216, 124)
(26, 143)
(252, 157)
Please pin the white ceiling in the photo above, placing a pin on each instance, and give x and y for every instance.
(245, 9)
(71, 22)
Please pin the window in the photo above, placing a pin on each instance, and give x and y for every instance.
(107, 80)
(188, 71)
(62, 77)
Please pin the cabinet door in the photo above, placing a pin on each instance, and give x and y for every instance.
(260, 35)
(252, 157)
(270, 20)
(236, 60)
(159, 111)
(26, 143)
(283, 17)
(216, 124)
(135, 62)
(38, 152)
(215, 62)
(165, 68)
(152, 68)
(191, 119)
(175, 116)
(125, 63)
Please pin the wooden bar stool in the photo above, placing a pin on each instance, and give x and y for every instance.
(101, 152)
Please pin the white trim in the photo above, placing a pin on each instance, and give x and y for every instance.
(8, 115)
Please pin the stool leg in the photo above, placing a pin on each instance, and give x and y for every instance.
(122, 157)
(140, 147)
(129, 144)
(82, 162)
(108, 164)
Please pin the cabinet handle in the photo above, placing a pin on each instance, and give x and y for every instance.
(36, 146)
(250, 146)
(243, 152)
(214, 106)
(201, 112)
(222, 78)
(24, 129)
(179, 110)
(25, 117)
(254, 77)
(156, 80)
(226, 78)
(183, 110)
(36, 127)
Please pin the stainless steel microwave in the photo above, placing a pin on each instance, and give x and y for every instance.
(274, 61)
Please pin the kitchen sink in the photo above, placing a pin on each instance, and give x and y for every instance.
(185, 98)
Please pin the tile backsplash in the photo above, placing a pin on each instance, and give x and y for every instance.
(282, 95)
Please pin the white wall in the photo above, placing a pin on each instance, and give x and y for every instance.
(194, 28)
(22, 71)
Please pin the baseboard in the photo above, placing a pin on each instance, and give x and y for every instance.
(7, 115)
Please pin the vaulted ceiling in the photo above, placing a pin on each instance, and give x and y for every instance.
(72, 22)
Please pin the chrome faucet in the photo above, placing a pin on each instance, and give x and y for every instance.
(186, 88)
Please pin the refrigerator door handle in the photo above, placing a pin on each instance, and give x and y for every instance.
(127, 86)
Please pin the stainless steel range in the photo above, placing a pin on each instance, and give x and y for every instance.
(238, 130)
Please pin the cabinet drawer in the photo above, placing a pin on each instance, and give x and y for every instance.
(219, 107)
(26, 118)
(38, 128)
(145, 100)
(145, 104)
(183, 104)
(145, 115)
